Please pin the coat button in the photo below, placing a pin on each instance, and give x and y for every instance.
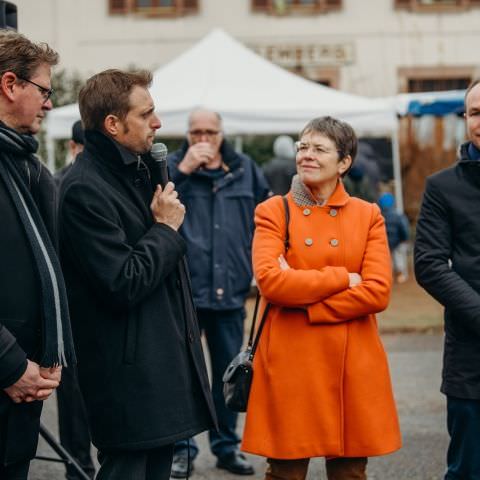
(308, 242)
(334, 242)
(220, 292)
(138, 182)
(333, 212)
(307, 212)
(178, 283)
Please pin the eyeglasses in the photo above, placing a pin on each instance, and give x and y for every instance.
(204, 133)
(46, 92)
(318, 150)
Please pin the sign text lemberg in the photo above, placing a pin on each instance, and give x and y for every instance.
(290, 56)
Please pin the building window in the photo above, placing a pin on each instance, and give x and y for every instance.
(153, 8)
(435, 5)
(432, 79)
(287, 7)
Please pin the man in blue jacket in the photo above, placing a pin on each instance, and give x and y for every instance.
(447, 265)
(220, 189)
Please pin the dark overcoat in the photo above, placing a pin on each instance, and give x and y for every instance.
(447, 265)
(140, 360)
(20, 307)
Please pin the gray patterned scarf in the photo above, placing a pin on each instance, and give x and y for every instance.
(21, 172)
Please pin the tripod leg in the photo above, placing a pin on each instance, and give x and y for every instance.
(61, 452)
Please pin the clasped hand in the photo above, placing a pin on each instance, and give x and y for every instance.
(37, 383)
(354, 278)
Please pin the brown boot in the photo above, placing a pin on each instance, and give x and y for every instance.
(343, 468)
(287, 469)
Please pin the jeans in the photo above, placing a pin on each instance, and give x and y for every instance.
(224, 334)
(463, 422)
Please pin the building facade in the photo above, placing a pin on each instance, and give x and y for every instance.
(372, 48)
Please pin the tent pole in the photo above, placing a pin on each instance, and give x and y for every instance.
(397, 171)
(239, 144)
(50, 145)
(397, 178)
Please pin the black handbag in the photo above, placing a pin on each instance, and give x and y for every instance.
(238, 376)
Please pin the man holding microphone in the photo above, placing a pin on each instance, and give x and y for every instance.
(141, 366)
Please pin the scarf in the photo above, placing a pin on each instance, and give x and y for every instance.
(21, 172)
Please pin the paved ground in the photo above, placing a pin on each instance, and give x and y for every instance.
(415, 361)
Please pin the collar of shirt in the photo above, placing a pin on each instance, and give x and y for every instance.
(473, 152)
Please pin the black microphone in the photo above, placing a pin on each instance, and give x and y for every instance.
(159, 169)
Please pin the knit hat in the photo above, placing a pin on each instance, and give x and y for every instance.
(386, 200)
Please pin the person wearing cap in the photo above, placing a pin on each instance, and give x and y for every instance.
(72, 414)
(75, 147)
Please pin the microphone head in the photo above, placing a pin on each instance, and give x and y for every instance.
(159, 152)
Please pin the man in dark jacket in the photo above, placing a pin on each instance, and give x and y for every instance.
(72, 414)
(220, 189)
(34, 327)
(447, 265)
(141, 366)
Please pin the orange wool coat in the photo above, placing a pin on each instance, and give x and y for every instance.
(321, 384)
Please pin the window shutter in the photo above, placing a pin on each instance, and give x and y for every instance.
(403, 3)
(190, 5)
(118, 6)
(260, 5)
(333, 4)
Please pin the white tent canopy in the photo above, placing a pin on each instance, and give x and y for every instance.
(253, 95)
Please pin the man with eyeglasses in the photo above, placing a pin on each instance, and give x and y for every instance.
(220, 189)
(35, 334)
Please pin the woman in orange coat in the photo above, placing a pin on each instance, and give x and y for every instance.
(321, 386)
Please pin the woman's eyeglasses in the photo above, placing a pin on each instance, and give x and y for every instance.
(317, 150)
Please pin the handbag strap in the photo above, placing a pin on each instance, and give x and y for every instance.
(252, 344)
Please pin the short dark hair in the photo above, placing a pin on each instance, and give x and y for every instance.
(21, 56)
(107, 93)
(340, 133)
(473, 84)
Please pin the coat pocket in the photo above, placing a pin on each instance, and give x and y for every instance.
(130, 347)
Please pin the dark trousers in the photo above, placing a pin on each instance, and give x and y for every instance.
(152, 464)
(224, 334)
(73, 423)
(17, 471)
(463, 422)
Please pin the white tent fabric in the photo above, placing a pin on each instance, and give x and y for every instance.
(253, 95)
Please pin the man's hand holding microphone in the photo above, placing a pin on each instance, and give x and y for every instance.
(165, 206)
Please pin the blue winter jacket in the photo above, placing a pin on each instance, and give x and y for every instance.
(218, 226)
